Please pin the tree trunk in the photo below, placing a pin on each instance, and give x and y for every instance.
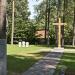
(2, 37)
(62, 28)
(73, 43)
(48, 39)
(46, 22)
(64, 15)
(12, 33)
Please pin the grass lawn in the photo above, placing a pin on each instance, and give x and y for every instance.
(21, 59)
(67, 62)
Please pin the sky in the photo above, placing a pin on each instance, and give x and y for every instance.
(31, 8)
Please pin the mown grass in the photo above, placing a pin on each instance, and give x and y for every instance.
(67, 62)
(20, 59)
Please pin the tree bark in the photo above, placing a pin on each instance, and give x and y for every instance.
(12, 33)
(48, 39)
(2, 37)
(62, 28)
(73, 43)
(64, 15)
(46, 22)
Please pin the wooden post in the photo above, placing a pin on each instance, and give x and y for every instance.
(12, 33)
(59, 31)
(2, 37)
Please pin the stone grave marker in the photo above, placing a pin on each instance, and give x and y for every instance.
(27, 44)
(19, 43)
(23, 43)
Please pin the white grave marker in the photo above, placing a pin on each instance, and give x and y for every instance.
(19, 44)
(27, 44)
(23, 43)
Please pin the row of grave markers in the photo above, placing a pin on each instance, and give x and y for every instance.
(23, 44)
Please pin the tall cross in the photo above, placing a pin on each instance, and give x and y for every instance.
(59, 24)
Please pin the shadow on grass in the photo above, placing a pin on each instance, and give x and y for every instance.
(18, 64)
(69, 47)
(51, 46)
(67, 63)
(42, 53)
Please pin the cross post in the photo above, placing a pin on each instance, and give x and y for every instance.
(59, 24)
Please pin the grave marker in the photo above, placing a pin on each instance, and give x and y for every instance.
(19, 43)
(27, 44)
(23, 43)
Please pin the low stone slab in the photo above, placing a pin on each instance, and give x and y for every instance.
(47, 65)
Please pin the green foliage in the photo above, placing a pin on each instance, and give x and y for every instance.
(23, 27)
(69, 16)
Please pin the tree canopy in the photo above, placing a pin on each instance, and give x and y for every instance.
(26, 28)
(57, 8)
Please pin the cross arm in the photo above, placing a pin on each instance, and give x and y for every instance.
(59, 24)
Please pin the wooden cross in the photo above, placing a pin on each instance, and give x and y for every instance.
(59, 31)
